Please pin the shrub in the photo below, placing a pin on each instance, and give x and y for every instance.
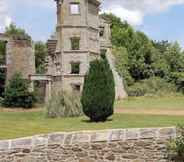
(64, 104)
(176, 147)
(152, 86)
(17, 93)
(1, 101)
(99, 91)
(179, 80)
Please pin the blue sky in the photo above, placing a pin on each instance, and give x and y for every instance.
(167, 25)
(160, 19)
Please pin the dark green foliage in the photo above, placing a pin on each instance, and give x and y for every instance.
(153, 86)
(2, 81)
(2, 53)
(178, 79)
(40, 57)
(17, 93)
(2, 71)
(99, 91)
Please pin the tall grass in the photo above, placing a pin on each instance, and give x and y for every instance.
(64, 104)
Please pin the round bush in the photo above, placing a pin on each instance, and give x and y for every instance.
(99, 91)
(17, 93)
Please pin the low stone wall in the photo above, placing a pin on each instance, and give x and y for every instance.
(122, 145)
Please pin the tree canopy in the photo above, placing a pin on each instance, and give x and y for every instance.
(140, 58)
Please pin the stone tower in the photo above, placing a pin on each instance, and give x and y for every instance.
(77, 37)
(81, 34)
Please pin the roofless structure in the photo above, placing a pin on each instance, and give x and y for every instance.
(81, 35)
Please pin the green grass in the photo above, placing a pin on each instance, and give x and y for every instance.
(176, 103)
(21, 124)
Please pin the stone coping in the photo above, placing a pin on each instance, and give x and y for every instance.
(70, 138)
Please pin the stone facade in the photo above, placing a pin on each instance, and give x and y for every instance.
(122, 145)
(93, 32)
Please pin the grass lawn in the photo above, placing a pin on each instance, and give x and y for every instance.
(168, 103)
(21, 124)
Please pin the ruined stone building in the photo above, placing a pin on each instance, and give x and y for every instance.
(81, 36)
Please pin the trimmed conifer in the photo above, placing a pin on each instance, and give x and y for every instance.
(99, 91)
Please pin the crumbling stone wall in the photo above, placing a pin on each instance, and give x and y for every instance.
(20, 58)
(123, 145)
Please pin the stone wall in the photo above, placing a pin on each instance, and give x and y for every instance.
(123, 145)
(20, 58)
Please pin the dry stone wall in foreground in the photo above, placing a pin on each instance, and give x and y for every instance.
(123, 145)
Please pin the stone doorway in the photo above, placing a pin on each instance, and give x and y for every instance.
(44, 83)
(40, 90)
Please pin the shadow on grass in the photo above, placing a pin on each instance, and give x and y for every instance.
(89, 121)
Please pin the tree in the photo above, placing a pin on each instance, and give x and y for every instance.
(17, 93)
(122, 64)
(14, 31)
(139, 58)
(99, 91)
(40, 57)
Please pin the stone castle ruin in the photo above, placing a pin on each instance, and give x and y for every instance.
(81, 36)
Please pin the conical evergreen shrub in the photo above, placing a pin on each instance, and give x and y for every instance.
(99, 91)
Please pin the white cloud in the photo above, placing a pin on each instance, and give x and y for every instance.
(33, 3)
(5, 19)
(134, 10)
(131, 10)
(133, 17)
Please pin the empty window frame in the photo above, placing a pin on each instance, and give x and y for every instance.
(75, 43)
(75, 8)
(75, 68)
(102, 31)
(76, 87)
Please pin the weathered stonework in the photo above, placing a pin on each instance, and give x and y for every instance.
(19, 56)
(86, 25)
(123, 145)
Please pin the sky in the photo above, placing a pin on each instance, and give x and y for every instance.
(159, 19)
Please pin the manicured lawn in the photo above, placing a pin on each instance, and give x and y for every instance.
(21, 124)
(168, 103)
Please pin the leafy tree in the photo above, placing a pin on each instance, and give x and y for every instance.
(122, 64)
(40, 57)
(17, 93)
(140, 58)
(14, 31)
(99, 91)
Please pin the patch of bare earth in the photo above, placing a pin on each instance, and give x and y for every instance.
(150, 111)
(37, 109)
